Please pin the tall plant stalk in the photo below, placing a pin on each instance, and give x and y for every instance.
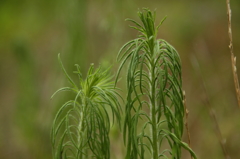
(154, 108)
(233, 57)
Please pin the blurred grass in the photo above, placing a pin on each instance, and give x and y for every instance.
(32, 33)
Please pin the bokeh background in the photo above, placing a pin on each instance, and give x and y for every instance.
(33, 32)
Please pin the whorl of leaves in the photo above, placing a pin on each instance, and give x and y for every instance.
(81, 126)
(154, 98)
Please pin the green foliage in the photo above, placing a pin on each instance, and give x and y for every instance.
(154, 109)
(154, 96)
(81, 126)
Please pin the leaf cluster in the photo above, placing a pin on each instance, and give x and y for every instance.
(81, 126)
(154, 94)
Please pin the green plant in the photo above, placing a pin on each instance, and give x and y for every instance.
(81, 127)
(154, 108)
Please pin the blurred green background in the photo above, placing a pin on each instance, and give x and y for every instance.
(33, 32)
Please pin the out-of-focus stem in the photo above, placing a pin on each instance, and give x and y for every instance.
(212, 115)
(186, 121)
(233, 58)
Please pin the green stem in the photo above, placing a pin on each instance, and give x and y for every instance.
(153, 112)
(81, 129)
(79, 136)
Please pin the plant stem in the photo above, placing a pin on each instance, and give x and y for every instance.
(212, 114)
(186, 120)
(233, 57)
(153, 111)
(81, 128)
